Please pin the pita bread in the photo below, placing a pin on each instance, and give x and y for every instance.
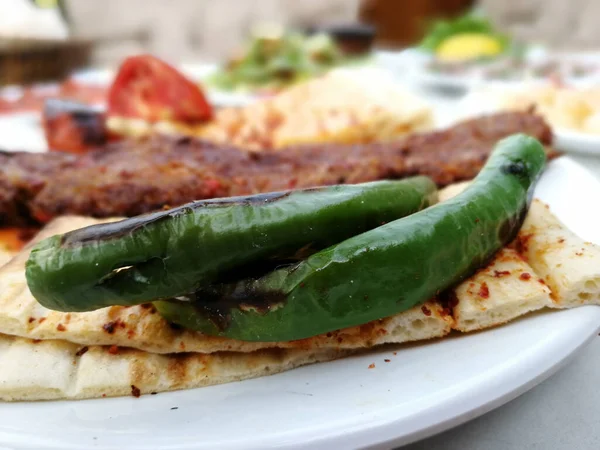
(46, 370)
(142, 328)
(570, 266)
(505, 289)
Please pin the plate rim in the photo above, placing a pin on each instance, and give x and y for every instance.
(385, 434)
(576, 142)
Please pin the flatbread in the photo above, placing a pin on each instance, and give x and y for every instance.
(505, 289)
(142, 328)
(48, 370)
(570, 266)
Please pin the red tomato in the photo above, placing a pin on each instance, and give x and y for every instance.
(147, 88)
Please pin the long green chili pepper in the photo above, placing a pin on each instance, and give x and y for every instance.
(170, 253)
(380, 272)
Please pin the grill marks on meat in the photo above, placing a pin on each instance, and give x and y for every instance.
(133, 177)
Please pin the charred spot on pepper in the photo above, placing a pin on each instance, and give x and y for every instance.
(216, 303)
(116, 230)
(518, 168)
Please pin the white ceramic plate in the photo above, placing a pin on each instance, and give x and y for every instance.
(22, 131)
(424, 389)
(487, 100)
(460, 83)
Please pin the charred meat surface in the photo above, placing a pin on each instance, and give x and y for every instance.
(133, 177)
(74, 127)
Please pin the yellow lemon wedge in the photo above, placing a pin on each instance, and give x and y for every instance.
(467, 46)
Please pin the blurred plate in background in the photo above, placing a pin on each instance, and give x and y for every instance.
(538, 67)
(22, 132)
(486, 100)
(572, 141)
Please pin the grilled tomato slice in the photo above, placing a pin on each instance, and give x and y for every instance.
(149, 89)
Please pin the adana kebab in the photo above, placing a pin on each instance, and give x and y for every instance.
(135, 177)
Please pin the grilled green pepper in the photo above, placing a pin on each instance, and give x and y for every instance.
(381, 272)
(170, 253)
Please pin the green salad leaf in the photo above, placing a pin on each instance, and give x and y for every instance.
(275, 62)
